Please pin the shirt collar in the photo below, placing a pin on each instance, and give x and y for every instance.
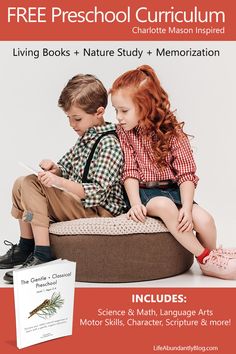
(97, 130)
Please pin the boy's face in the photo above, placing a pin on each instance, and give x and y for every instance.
(81, 121)
(126, 112)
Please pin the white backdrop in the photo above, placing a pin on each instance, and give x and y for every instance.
(202, 89)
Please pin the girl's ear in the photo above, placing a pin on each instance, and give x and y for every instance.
(100, 112)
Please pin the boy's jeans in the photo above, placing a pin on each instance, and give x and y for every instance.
(40, 205)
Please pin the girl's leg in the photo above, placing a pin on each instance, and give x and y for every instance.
(213, 264)
(166, 209)
(205, 227)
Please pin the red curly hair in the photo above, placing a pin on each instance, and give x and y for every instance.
(156, 118)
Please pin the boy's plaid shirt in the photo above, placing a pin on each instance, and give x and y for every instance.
(105, 169)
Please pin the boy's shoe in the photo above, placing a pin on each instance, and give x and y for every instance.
(32, 260)
(14, 256)
(227, 251)
(219, 265)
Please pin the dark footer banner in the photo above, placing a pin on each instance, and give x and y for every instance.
(142, 321)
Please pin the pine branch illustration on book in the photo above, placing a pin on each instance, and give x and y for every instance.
(48, 308)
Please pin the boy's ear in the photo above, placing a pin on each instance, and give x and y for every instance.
(100, 112)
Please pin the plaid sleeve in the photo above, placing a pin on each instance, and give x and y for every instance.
(65, 163)
(130, 168)
(105, 171)
(183, 162)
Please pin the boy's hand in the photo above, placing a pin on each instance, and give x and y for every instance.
(185, 220)
(137, 213)
(49, 165)
(49, 179)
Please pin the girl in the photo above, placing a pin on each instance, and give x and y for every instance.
(159, 172)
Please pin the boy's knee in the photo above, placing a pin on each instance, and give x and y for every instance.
(28, 180)
(17, 184)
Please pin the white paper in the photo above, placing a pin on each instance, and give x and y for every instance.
(35, 171)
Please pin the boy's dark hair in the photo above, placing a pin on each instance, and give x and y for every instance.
(85, 92)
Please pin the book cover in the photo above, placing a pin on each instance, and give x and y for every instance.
(191, 46)
(44, 301)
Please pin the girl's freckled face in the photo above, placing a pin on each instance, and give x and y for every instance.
(126, 112)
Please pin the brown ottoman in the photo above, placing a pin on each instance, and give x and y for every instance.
(119, 250)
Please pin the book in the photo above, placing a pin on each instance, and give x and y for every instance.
(44, 299)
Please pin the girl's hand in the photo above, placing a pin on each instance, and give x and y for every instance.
(185, 220)
(49, 179)
(137, 213)
(49, 165)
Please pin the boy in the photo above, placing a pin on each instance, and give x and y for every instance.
(88, 176)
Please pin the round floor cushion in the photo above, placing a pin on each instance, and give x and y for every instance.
(119, 250)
